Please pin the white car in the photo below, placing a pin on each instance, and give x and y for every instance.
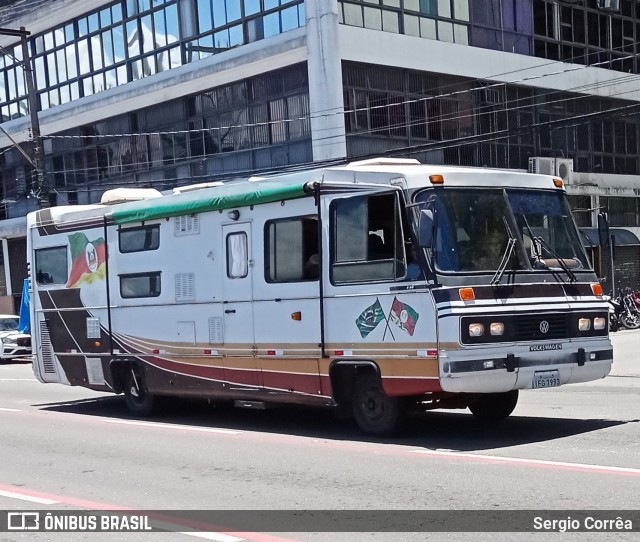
(13, 344)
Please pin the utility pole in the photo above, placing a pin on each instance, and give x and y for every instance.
(38, 184)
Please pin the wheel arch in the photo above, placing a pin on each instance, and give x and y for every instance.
(343, 374)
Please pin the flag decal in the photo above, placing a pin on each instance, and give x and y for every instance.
(87, 260)
(404, 316)
(370, 318)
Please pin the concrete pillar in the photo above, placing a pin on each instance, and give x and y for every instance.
(326, 102)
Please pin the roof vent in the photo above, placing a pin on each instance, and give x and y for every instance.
(122, 195)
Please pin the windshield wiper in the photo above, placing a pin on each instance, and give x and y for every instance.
(563, 265)
(506, 255)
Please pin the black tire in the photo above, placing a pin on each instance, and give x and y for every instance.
(139, 402)
(630, 321)
(493, 407)
(375, 412)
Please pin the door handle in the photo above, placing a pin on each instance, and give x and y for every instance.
(230, 311)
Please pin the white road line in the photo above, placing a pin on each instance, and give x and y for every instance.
(533, 462)
(180, 427)
(10, 409)
(19, 380)
(219, 537)
(39, 500)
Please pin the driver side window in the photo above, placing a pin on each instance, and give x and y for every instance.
(366, 239)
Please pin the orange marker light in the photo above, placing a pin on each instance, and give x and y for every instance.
(297, 316)
(436, 179)
(596, 289)
(97, 344)
(558, 183)
(467, 294)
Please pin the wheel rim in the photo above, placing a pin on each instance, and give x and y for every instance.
(372, 404)
(137, 395)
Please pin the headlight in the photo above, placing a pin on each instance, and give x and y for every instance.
(584, 324)
(496, 328)
(476, 330)
(599, 323)
(10, 340)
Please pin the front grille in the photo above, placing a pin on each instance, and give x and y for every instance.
(532, 327)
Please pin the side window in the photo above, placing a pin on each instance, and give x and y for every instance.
(139, 239)
(51, 265)
(140, 285)
(366, 239)
(237, 255)
(291, 249)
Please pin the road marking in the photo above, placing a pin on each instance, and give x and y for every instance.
(584, 467)
(10, 409)
(180, 427)
(25, 497)
(19, 380)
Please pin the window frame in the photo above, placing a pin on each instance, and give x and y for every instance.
(151, 275)
(149, 228)
(38, 269)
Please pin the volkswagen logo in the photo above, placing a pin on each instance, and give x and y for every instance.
(544, 326)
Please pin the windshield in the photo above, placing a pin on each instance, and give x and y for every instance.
(8, 324)
(489, 230)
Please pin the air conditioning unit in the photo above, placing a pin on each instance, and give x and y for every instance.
(613, 5)
(542, 165)
(564, 169)
(559, 167)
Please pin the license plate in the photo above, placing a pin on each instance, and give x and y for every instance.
(546, 379)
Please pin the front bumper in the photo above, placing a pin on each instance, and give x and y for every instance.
(495, 370)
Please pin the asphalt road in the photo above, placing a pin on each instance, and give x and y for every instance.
(570, 448)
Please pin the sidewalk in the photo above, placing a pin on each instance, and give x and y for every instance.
(626, 352)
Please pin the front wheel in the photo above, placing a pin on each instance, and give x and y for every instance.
(493, 407)
(139, 402)
(631, 321)
(375, 412)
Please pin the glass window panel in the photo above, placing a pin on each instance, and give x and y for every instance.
(372, 18)
(160, 31)
(219, 14)
(411, 25)
(65, 95)
(140, 285)
(255, 30)
(54, 98)
(144, 5)
(428, 28)
(48, 41)
(59, 36)
(133, 43)
(111, 79)
(51, 265)
(173, 32)
(413, 5)
(118, 43)
(107, 47)
(289, 18)
(44, 100)
(445, 31)
(39, 45)
(175, 57)
(83, 27)
(87, 86)
(461, 9)
(98, 82)
(69, 33)
(391, 3)
(444, 8)
(270, 4)
(390, 21)
(83, 56)
(96, 53)
(251, 7)
(353, 15)
(147, 33)
(62, 65)
(72, 69)
(94, 23)
(121, 72)
(460, 34)
(271, 24)
(136, 69)
(40, 73)
(116, 12)
(221, 40)
(301, 16)
(236, 36)
(132, 7)
(105, 17)
(204, 15)
(139, 239)
(74, 89)
(237, 255)
(52, 69)
(234, 12)
(162, 60)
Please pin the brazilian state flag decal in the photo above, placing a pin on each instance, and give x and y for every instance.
(404, 316)
(87, 260)
(370, 318)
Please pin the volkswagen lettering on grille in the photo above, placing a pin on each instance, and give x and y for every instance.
(544, 347)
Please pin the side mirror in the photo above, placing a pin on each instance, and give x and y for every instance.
(426, 228)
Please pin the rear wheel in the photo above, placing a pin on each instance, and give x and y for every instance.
(631, 321)
(375, 412)
(139, 401)
(493, 407)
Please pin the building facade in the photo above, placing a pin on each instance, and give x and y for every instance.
(161, 93)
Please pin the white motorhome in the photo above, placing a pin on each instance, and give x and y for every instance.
(379, 285)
